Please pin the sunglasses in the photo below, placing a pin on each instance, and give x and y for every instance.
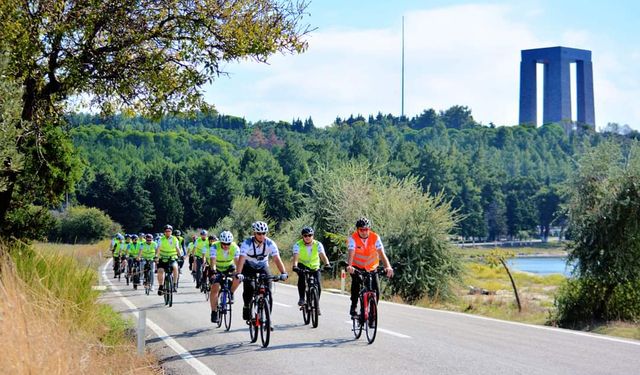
(307, 235)
(363, 229)
(260, 233)
(225, 244)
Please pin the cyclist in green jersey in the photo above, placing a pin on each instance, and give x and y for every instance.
(167, 254)
(307, 254)
(132, 254)
(119, 249)
(223, 257)
(199, 250)
(146, 254)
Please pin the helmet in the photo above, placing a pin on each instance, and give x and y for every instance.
(203, 232)
(134, 236)
(168, 227)
(260, 227)
(148, 236)
(120, 236)
(363, 222)
(307, 230)
(178, 233)
(226, 237)
(127, 236)
(212, 238)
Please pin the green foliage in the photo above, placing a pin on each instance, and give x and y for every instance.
(579, 303)
(604, 219)
(244, 211)
(81, 224)
(414, 226)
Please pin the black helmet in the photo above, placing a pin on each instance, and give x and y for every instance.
(307, 230)
(168, 227)
(178, 233)
(127, 236)
(363, 222)
(134, 236)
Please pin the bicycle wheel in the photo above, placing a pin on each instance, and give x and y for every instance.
(221, 303)
(265, 324)
(167, 289)
(227, 312)
(171, 290)
(306, 312)
(253, 322)
(119, 270)
(371, 325)
(313, 307)
(357, 321)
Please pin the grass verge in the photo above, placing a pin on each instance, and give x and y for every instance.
(51, 317)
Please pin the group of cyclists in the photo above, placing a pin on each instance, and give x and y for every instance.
(210, 258)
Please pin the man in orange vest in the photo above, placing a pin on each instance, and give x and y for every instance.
(365, 251)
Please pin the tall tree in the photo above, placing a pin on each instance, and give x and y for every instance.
(143, 55)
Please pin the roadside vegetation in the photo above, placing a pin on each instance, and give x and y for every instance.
(51, 317)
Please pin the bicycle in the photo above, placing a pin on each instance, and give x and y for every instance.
(134, 273)
(367, 317)
(224, 301)
(147, 277)
(168, 283)
(310, 309)
(261, 305)
(205, 286)
(123, 269)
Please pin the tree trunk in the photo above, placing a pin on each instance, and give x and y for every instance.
(513, 284)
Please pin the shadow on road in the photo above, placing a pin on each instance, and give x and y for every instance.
(191, 333)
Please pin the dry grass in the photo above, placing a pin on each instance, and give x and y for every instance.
(50, 330)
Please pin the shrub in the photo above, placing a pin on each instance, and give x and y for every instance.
(83, 225)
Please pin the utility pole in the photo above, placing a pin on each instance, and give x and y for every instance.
(402, 95)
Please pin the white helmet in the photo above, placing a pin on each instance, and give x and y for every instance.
(260, 227)
(226, 237)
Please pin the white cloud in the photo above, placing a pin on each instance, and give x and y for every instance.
(467, 55)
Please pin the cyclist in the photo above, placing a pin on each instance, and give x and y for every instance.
(223, 257)
(167, 253)
(181, 253)
(190, 252)
(254, 260)
(132, 257)
(146, 254)
(119, 249)
(200, 247)
(365, 251)
(308, 252)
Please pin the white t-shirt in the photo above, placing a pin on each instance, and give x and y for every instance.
(258, 256)
(351, 245)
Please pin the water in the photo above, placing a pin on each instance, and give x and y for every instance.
(541, 265)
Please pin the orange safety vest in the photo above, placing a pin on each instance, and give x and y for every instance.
(365, 256)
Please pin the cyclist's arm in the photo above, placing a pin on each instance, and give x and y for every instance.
(241, 263)
(324, 259)
(385, 261)
(279, 264)
(350, 261)
(296, 255)
(294, 262)
(213, 261)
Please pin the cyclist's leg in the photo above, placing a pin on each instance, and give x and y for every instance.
(375, 281)
(215, 289)
(301, 288)
(316, 275)
(174, 265)
(247, 291)
(160, 275)
(355, 292)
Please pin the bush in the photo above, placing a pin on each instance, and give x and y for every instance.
(415, 227)
(83, 225)
(581, 302)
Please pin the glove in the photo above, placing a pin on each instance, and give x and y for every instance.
(240, 277)
(296, 269)
(284, 276)
(328, 267)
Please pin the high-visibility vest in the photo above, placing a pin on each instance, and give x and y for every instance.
(148, 250)
(121, 248)
(224, 261)
(168, 247)
(200, 247)
(310, 260)
(365, 256)
(133, 248)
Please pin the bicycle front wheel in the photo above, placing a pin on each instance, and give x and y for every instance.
(253, 322)
(221, 303)
(357, 320)
(313, 307)
(306, 312)
(227, 312)
(265, 324)
(371, 325)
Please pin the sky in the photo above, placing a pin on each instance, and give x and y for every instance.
(456, 53)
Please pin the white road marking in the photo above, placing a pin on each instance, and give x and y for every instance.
(200, 367)
(280, 304)
(387, 331)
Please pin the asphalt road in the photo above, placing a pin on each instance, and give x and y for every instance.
(410, 340)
